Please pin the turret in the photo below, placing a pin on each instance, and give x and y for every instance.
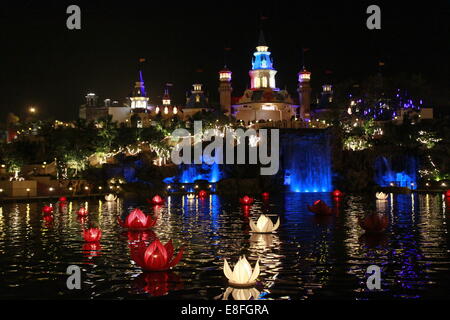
(225, 90)
(304, 93)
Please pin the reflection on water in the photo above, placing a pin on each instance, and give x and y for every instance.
(308, 257)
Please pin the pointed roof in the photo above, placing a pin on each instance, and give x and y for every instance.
(261, 40)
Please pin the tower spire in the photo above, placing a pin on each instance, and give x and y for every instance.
(262, 39)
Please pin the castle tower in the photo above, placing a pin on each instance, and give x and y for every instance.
(262, 74)
(304, 93)
(225, 90)
(166, 98)
(139, 98)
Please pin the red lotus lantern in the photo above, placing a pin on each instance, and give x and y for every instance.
(337, 194)
(156, 257)
(46, 210)
(137, 220)
(92, 234)
(447, 194)
(321, 208)
(82, 212)
(374, 223)
(62, 199)
(265, 195)
(246, 200)
(202, 194)
(157, 200)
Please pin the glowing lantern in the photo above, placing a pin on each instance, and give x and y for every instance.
(62, 199)
(246, 200)
(110, 197)
(447, 194)
(82, 212)
(46, 210)
(265, 195)
(191, 196)
(264, 225)
(202, 194)
(381, 196)
(374, 223)
(319, 207)
(92, 234)
(337, 194)
(156, 257)
(157, 200)
(242, 275)
(137, 220)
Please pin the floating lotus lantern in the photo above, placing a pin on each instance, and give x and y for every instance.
(191, 196)
(265, 195)
(381, 196)
(156, 257)
(82, 212)
(202, 194)
(47, 210)
(110, 197)
(62, 199)
(137, 220)
(242, 275)
(157, 200)
(92, 234)
(337, 194)
(447, 194)
(374, 223)
(241, 294)
(246, 200)
(264, 225)
(321, 208)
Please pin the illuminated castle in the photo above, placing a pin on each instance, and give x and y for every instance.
(263, 101)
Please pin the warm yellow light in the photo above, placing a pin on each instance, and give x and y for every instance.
(32, 110)
(50, 189)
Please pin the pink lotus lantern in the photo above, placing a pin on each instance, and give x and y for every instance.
(46, 210)
(157, 200)
(92, 234)
(137, 220)
(374, 223)
(319, 207)
(246, 200)
(156, 257)
(202, 194)
(82, 212)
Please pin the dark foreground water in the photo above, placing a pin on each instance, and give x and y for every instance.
(307, 258)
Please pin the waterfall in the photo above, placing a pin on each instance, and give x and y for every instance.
(306, 162)
(400, 170)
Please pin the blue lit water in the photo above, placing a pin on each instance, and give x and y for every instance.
(399, 171)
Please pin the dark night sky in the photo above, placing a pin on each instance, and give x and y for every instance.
(43, 63)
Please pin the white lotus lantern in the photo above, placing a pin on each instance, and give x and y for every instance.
(242, 275)
(264, 225)
(241, 294)
(381, 196)
(191, 196)
(110, 197)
